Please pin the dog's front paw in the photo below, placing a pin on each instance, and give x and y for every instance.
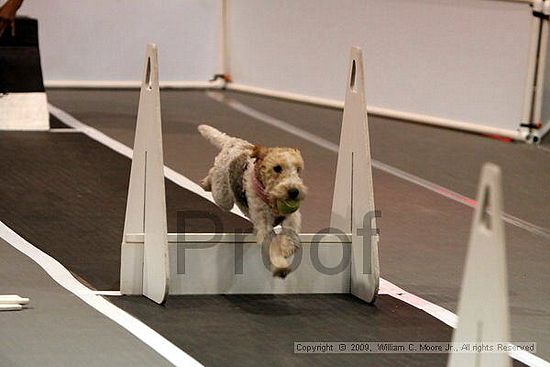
(281, 272)
(283, 246)
(289, 242)
(279, 263)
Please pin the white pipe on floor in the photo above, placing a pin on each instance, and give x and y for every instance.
(532, 65)
(386, 112)
(447, 123)
(286, 95)
(539, 85)
(130, 84)
(10, 307)
(11, 299)
(379, 111)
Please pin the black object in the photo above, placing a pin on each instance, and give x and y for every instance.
(530, 125)
(541, 15)
(20, 70)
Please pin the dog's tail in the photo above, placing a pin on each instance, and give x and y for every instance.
(214, 136)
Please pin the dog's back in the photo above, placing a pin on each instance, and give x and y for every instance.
(228, 166)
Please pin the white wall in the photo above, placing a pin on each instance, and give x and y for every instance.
(463, 60)
(105, 39)
(460, 60)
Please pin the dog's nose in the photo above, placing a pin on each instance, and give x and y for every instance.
(293, 193)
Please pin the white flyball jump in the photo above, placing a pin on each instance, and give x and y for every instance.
(155, 263)
(483, 314)
(146, 271)
(353, 200)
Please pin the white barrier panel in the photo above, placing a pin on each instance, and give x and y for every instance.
(483, 314)
(230, 263)
(210, 263)
(101, 41)
(439, 62)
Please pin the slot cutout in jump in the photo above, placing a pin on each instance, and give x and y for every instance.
(353, 76)
(148, 74)
(485, 218)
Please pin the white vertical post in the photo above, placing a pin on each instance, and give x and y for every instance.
(483, 307)
(353, 200)
(147, 272)
(222, 67)
(532, 65)
(539, 90)
(536, 135)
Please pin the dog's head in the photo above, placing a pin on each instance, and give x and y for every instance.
(279, 170)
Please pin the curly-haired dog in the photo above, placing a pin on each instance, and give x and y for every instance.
(265, 184)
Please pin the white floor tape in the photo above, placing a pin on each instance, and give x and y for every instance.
(62, 276)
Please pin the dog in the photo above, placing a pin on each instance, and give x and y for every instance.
(266, 184)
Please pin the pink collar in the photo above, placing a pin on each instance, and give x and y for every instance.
(259, 188)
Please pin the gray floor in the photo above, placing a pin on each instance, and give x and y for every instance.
(66, 194)
(59, 329)
(449, 158)
(423, 234)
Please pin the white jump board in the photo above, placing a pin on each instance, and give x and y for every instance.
(210, 263)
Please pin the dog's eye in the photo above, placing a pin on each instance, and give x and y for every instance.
(278, 169)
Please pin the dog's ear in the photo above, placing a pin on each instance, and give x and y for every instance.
(259, 152)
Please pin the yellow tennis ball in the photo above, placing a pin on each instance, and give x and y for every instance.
(288, 206)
